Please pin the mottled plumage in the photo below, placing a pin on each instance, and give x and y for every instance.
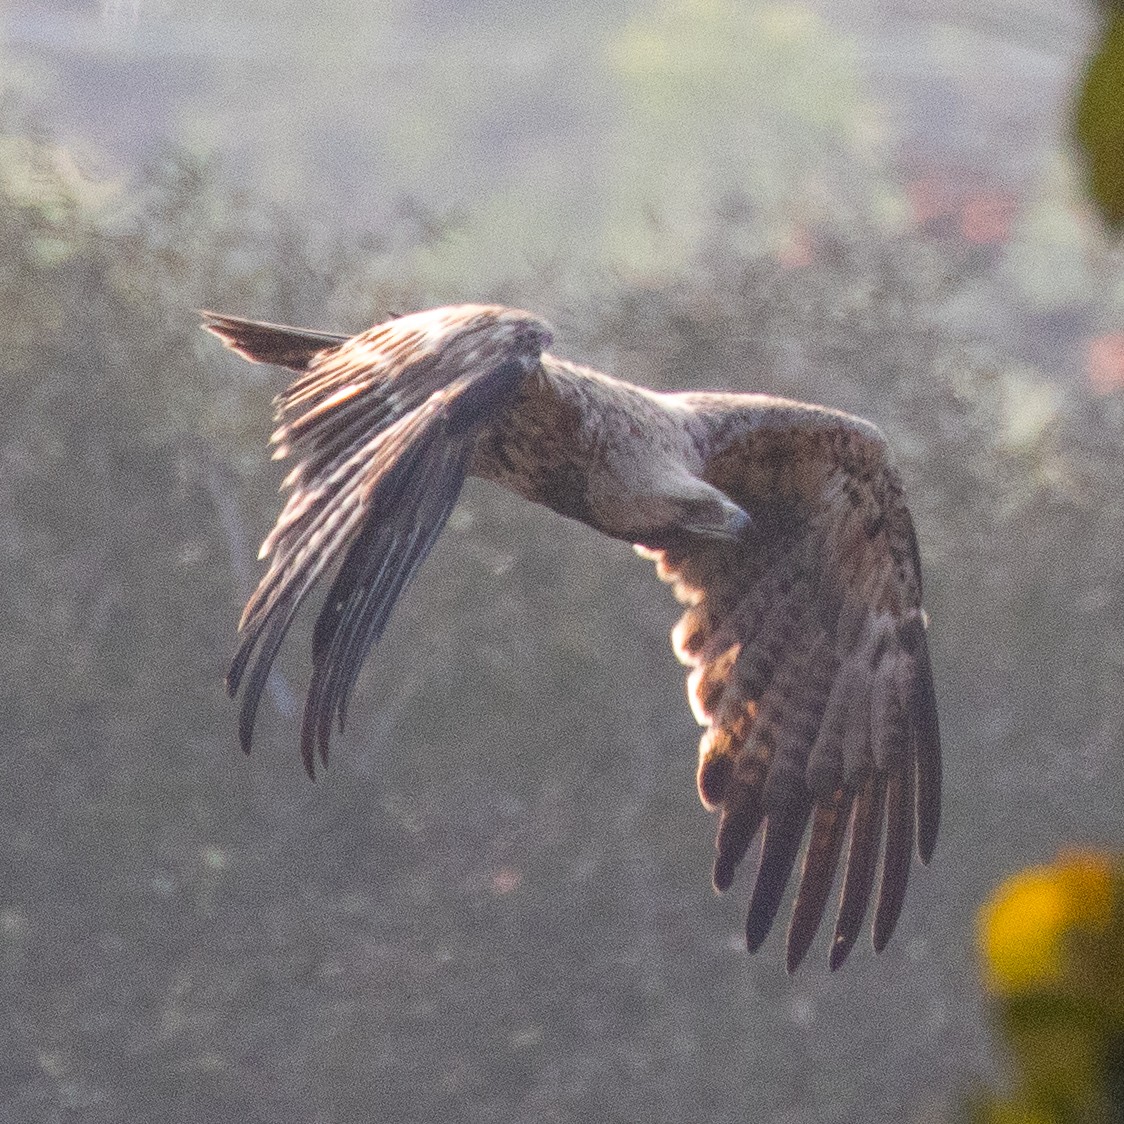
(781, 526)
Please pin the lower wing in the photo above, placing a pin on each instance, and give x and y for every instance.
(811, 674)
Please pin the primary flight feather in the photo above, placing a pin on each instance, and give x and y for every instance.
(781, 526)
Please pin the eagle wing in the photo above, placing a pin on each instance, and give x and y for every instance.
(382, 428)
(810, 672)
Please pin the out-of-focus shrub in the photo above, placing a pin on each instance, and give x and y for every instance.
(523, 721)
(1099, 119)
(1052, 942)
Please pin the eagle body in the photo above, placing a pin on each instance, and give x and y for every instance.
(624, 460)
(781, 526)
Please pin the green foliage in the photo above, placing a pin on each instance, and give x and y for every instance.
(756, 104)
(566, 142)
(1053, 947)
(1099, 123)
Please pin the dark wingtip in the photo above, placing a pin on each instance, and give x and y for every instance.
(308, 727)
(841, 946)
(246, 726)
(779, 846)
(763, 908)
(829, 825)
(897, 857)
(792, 958)
(328, 711)
(240, 662)
(308, 759)
(891, 897)
(927, 794)
(927, 824)
(926, 737)
(737, 828)
(722, 878)
(757, 926)
(862, 859)
(248, 712)
(883, 930)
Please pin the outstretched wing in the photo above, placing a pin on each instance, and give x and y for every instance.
(382, 427)
(811, 672)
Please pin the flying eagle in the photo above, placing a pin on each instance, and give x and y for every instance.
(781, 526)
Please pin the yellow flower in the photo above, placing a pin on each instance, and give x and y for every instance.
(1024, 925)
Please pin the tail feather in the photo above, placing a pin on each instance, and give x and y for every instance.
(279, 344)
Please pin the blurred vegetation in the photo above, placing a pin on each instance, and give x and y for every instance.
(1052, 939)
(756, 110)
(1099, 123)
(488, 910)
(495, 907)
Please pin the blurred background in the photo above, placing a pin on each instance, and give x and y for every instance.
(495, 906)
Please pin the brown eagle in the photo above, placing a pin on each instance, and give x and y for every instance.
(781, 526)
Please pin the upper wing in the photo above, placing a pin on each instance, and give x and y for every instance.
(811, 673)
(382, 427)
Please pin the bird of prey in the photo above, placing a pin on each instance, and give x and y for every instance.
(781, 527)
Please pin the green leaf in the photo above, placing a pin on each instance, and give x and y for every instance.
(1099, 123)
